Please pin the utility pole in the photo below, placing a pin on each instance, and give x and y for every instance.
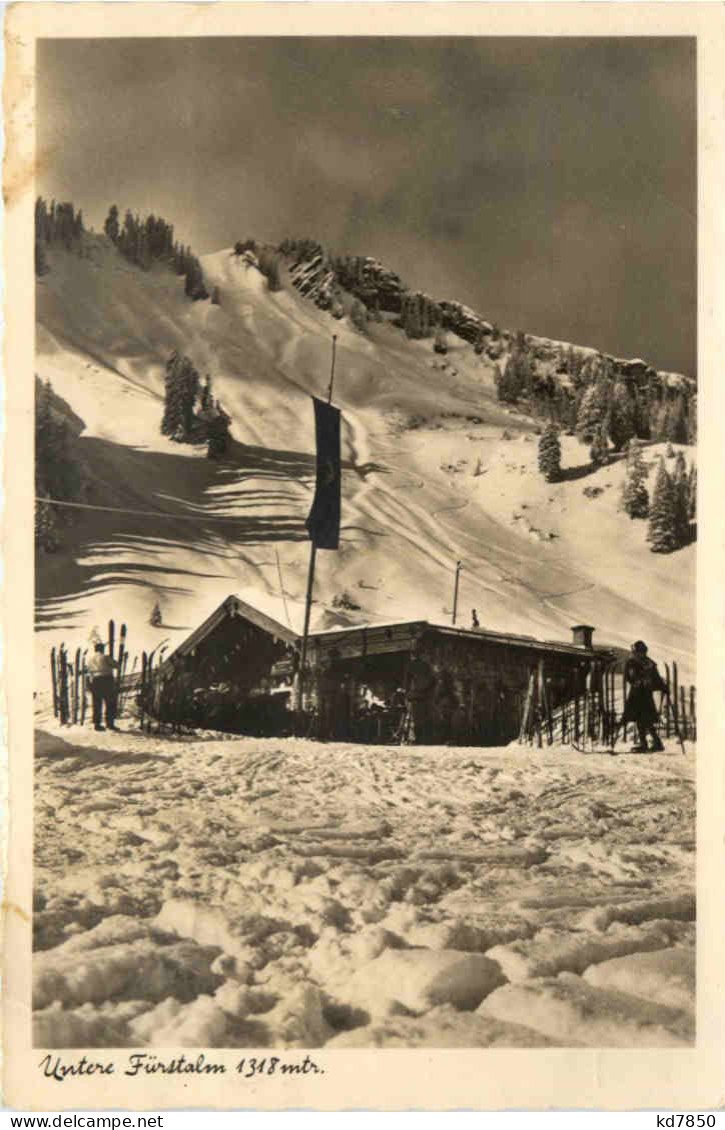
(455, 590)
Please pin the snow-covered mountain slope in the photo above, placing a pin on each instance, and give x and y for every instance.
(428, 476)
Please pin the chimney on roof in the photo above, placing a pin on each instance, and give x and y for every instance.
(582, 635)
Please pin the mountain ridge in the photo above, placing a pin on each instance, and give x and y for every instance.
(436, 469)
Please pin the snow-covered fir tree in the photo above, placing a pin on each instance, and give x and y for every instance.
(593, 412)
(599, 450)
(692, 493)
(680, 484)
(217, 426)
(550, 453)
(181, 388)
(206, 399)
(621, 416)
(662, 529)
(194, 285)
(635, 499)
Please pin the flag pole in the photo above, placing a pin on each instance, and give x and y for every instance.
(332, 370)
(306, 631)
(311, 569)
(455, 591)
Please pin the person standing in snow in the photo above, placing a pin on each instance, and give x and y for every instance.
(643, 678)
(100, 669)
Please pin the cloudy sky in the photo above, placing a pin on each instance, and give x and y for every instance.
(548, 183)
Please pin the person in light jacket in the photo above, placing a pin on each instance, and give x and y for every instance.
(100, 670)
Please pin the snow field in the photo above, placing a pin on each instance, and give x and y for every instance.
(257, 893)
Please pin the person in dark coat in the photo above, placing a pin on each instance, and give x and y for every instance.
(643, 679)
(100, 670)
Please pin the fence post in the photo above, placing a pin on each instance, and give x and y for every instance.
(142, 696)
(53, 676)
(64, 705)
(693, 714)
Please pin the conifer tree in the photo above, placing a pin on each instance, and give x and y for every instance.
(179, 259)
(598, 452)
(206, 399)
(59, 472)
(143, 254)
(680, 484)
(47, 536)
(173, 418)
(409, 316)
(111, 225)
(218, 433)
(621, 416)
(662, 529)
(635, 499)
(692, 420)
(692, 493)
(675, 423)
(508, 387)
(189, 386)
(155, 619)
(550, 453)
(194, 285)
(593, 412)
(181, 389)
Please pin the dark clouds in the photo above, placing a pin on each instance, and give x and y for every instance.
(551, 184)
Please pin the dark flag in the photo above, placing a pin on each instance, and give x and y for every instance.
(323, 521)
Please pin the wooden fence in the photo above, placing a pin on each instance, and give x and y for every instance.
(592, 717)
(71, 683)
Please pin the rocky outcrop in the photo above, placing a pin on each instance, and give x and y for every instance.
(322, 278)
(465, 322)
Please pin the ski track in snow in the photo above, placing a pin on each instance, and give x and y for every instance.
(279, 893)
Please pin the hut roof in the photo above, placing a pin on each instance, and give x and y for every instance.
(231, 607)
(365, 637)
(362, 639)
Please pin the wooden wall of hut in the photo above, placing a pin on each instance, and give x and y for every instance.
(238, 679)
(490, 681)
(479, 694)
